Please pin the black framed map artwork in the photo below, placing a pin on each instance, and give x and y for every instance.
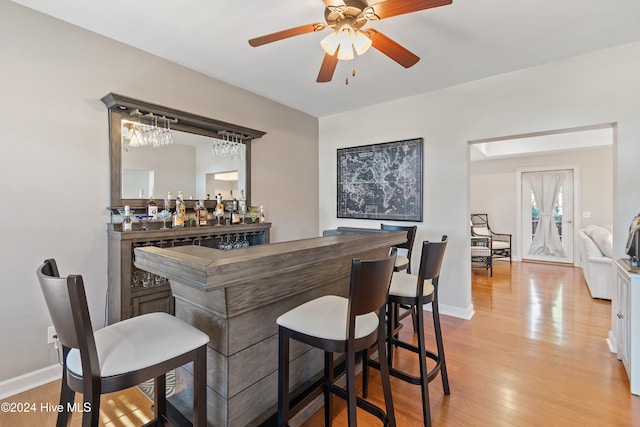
(381, 181)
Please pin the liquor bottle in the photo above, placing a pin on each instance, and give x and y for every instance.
(235, 215)
(180, 206)
(180, 213)
(219, 210)
(127, 222)
(201, 213)
(261, 216)
(177, 220)
(152, 208)
(169, 197)
(242, 203)
(182, 210)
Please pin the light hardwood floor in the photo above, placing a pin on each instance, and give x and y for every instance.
(533, 354)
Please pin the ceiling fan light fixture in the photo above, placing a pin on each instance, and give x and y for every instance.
(330, 43)
(346, 35)
(362, 43)
(345, 52)
(345, 40)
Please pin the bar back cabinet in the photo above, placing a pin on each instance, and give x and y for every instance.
(132, 291)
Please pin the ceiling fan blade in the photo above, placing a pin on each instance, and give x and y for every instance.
(327, 68)
(392, 49)
(389, 8)
(285, 34)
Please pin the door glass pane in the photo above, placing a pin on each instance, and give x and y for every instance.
(535, 215)
(557, 213)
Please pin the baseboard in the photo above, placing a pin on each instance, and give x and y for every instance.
(449, 310)
(30, 380)
(612, 342)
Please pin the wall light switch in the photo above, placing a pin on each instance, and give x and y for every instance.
(586, 214)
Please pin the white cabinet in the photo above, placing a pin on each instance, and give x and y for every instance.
(628, 319)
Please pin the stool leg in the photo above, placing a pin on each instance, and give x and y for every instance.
(365, 372)
(328, 380)
(440, 346)
(67, 395)
(200, 388)
(424, 383)
(414, 319)
(160, 397)
(283, 378)
(391, 322)
(92, 417)
(351, 386)
(384, 374)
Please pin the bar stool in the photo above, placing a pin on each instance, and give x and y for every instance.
(121, 355)
(416, 291)
(404, 263)
(343, 325)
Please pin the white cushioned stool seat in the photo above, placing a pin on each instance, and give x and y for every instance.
(404, 285)
(401, 261)
(129, 346)
(326, 318)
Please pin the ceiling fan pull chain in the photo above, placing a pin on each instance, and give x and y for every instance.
(346, 76)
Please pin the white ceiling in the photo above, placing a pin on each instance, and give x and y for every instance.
(465, 41)
(544, 143)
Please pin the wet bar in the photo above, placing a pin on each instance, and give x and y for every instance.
(235, 296)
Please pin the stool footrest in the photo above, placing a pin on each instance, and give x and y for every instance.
(361, 403)
(411, 379)
(406, 377)
(430, 354)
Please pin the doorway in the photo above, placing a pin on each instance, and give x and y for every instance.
(495, 187)
(547, 209)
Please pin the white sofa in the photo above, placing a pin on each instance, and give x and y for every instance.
(597, 260)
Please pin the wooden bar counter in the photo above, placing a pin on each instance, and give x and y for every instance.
(235, 296)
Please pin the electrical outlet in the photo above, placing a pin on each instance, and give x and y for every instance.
(51, 335)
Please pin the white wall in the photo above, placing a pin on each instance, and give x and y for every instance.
(493, 188)
(601, 87)
(55, 162)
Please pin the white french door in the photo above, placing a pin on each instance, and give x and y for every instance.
(547, 215)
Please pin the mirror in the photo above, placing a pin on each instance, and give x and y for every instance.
(188, 165)
(135, 174)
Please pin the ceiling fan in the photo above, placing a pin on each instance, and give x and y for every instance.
(347, 19)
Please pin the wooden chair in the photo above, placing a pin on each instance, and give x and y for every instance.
(417, 291)
(343, 325)
(500, 242)
(121, 355)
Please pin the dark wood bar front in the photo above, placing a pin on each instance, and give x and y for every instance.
(235, 296)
